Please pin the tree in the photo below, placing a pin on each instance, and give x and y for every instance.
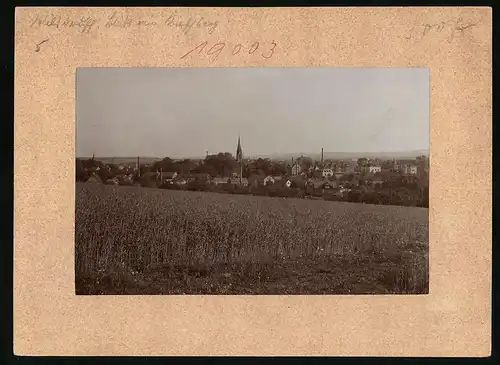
(165, 164)
(280, 168)
(105, 174)
(354, 196)
(205, 169)
(223, 164)
(306, 162)
(362, 161)
(81, 174)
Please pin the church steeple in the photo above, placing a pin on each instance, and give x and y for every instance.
(239, 158)
(239, 151)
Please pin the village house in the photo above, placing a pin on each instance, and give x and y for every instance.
(237, 181)
(268, 180)
(167, 177)
(196, 176)
(327, 173)
(220, 181)
(410, 169)
(375, 182)
(373, 169)
(296, 169)
(180, 181)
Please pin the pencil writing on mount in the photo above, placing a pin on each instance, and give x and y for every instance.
(37, 49)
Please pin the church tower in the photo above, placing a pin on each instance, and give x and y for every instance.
(239, 157)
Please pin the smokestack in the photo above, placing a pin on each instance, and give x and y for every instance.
(321, 156)
(138, 168)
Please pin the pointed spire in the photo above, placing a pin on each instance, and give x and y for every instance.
(239, 151)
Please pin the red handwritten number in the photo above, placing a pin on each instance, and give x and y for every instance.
(217, 51)
(271, 50)
(235, 52)
(252, 49)
(202, 45)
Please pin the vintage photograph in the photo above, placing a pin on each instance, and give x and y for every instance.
(252, 181)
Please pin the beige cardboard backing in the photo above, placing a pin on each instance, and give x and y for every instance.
(453, 320)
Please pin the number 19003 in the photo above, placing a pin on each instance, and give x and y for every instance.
(265, 50)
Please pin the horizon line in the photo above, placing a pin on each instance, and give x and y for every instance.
(265, 154)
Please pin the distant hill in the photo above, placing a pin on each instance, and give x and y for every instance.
(347, 155)
(125, 160)
(283, 156)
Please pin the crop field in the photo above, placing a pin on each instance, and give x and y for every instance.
(132, 240)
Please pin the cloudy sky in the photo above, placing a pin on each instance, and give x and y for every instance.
(184, 112)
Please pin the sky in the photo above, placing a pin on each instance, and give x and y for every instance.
(185, 112)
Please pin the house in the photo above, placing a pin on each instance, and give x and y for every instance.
(327, 185)
(327, 172)
(167, 176)
(373, 169)
(269, 180)
(196, 176)
(179, 181)
(410, 169)
(237, 181)
(296, 169)
(375, 182)
(220, 181)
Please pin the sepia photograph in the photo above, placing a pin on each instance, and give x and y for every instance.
(252, 181)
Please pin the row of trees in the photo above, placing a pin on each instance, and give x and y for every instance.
(222, 165)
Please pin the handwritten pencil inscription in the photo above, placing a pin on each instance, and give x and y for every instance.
(116, 19)
(37, 49)
(265, 50)
(84, 24)
(452, 29)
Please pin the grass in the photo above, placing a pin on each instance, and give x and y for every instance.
(147, 241)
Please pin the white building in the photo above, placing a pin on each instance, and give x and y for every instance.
(296, 169)
(410, 169)
(375, 169)
(327, 173)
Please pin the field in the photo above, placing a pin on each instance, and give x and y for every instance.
(132, 240)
